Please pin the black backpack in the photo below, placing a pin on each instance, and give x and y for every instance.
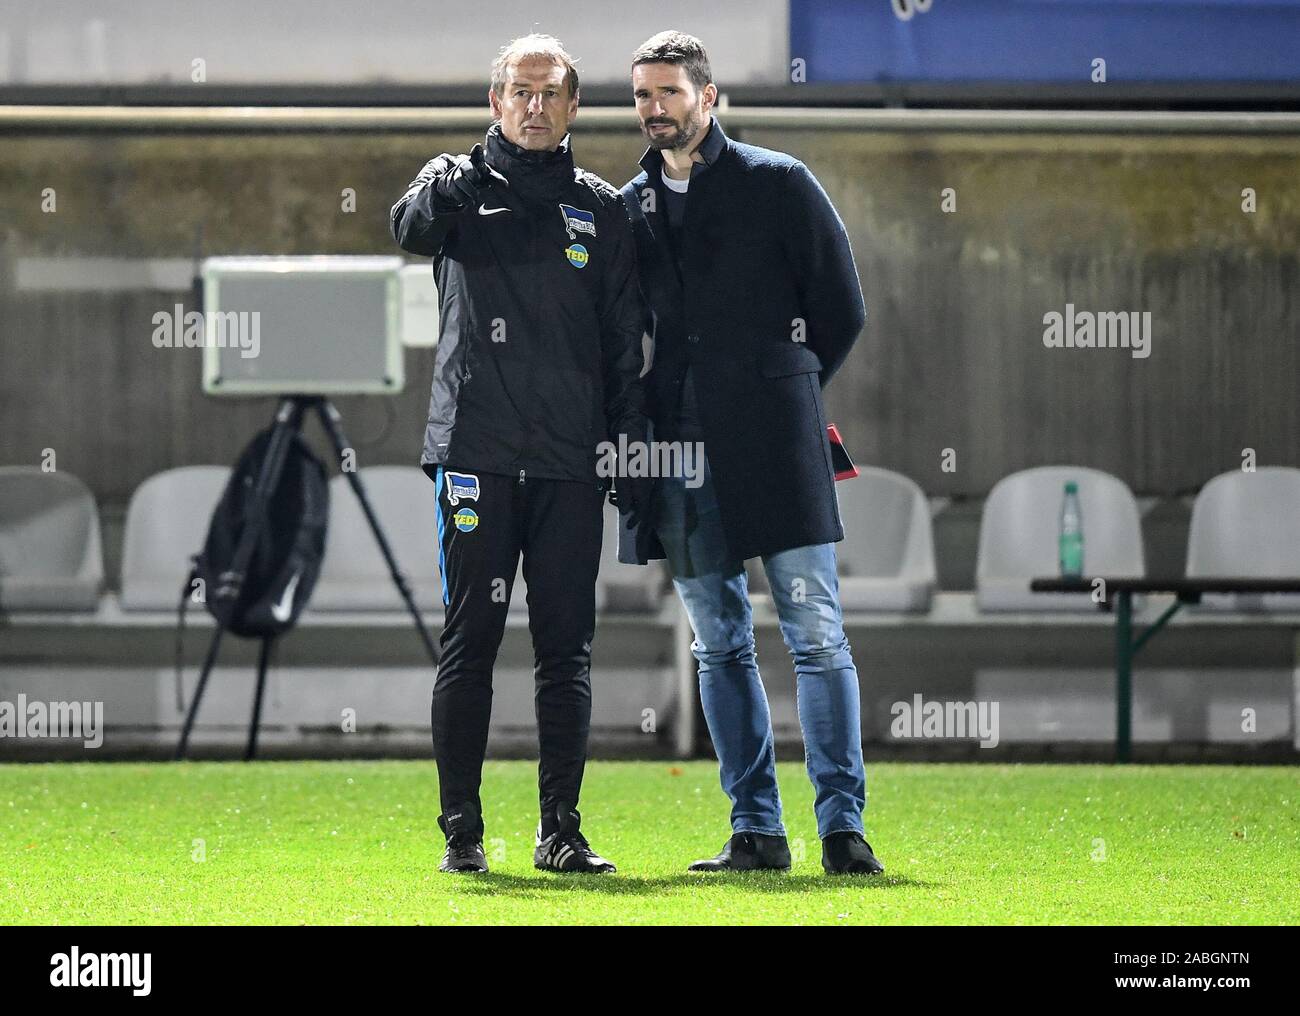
(286, 558)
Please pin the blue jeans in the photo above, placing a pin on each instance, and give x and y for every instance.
(805, 588)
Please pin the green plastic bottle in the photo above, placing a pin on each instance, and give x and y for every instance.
(1071, 542)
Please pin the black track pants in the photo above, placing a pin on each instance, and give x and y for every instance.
(484, 522)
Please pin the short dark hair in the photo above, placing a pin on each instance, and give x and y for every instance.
(677, 48)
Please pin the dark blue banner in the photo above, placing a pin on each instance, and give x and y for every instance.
(1059, 41)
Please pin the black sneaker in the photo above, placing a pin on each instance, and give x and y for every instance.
(566, 850)
(847, 853)
(464, 851)
(749, 852)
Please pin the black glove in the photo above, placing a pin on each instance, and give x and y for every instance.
(471, 181)
(633, 497)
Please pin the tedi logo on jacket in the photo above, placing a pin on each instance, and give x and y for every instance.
(578, 220)
(577, 255)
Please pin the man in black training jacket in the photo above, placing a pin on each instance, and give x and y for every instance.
(537, 363)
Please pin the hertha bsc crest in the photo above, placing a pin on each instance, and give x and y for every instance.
(461, 485)
(578, 220)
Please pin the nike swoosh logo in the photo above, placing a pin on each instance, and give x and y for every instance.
(484, 210)
(281, 611)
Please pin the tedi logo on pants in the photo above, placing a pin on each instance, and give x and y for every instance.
(75, 969)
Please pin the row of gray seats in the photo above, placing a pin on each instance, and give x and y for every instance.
(1243, 524)
(50, 553)
(168, 517)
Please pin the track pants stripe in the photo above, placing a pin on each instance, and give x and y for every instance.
(442, 548)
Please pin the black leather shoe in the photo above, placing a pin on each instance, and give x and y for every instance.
(464, 851)
(847, 853)
(749, 852)
(464, 856)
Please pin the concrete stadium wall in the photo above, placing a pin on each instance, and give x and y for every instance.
(953, 353)
(952, 356)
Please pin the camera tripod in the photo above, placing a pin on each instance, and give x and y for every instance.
(288, 425)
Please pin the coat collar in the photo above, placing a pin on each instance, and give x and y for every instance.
(711, 148)
(540, 175)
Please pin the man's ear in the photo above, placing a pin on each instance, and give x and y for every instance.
(573, 108)
(494, 103)
(710, 95)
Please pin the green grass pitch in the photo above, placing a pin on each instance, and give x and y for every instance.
(356, 842)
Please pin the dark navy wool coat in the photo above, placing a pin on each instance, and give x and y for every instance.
(765, 311)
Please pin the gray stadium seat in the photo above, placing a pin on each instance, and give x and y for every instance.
(166, 524)
(51, 557)
(886, 560)
(354, 575)
(1247, 525)
(1020, 530)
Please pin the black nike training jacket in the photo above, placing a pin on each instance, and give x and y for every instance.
(539, 347)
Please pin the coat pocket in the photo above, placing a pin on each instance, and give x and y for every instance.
(787, 359)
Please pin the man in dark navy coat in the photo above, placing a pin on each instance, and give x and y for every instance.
(754, 303)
